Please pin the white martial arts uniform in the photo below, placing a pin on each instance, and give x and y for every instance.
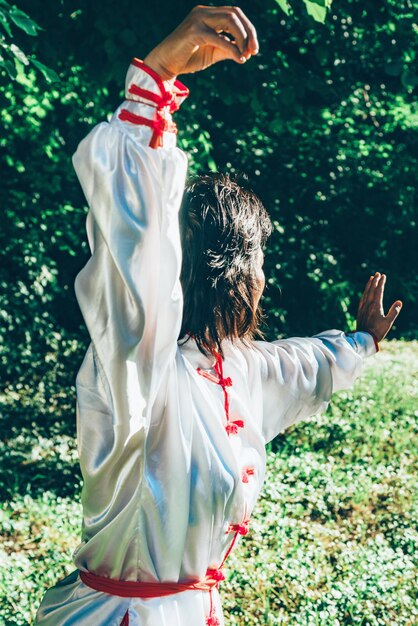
(163, 479)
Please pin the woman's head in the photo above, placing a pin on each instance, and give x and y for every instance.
(224, 228)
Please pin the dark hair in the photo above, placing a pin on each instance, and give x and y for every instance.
(223, 227)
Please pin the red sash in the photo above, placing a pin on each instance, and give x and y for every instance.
(133, 589)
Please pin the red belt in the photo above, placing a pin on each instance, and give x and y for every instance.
(132, 589)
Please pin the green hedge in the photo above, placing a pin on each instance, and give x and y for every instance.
(323, 122)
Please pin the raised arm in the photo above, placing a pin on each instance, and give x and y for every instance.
(129, 291)
(300, 374)
(133, 176)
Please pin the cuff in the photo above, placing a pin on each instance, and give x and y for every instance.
(364, 343)
(150, 102)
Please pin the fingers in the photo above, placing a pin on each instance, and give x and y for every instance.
(207, 35)
(366, 289)
(252, 40)
(387, 321)
(233, 21)
(394, 311)
(228, 23)
(363, 304)
(379, 291)
(374, 289)
(231, 24)
(371, 316)
(229, 49)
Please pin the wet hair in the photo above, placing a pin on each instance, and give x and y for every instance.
(224, 228)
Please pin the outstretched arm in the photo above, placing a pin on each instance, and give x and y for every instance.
(300, 374)
(129, 290)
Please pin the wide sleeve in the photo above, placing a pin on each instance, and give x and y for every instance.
(129, 292)
(299, 375)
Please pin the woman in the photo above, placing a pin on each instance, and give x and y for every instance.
(175, 399)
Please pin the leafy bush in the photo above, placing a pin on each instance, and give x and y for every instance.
(323, 122)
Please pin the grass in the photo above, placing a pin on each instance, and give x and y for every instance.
(333, 540)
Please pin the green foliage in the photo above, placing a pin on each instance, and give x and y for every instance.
(316, 8)
(12, 58)
(323, 121)
(284, 5)
(333, 540)
(33, 530)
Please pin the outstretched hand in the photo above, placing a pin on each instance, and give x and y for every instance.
(371, 316)
(206, 36)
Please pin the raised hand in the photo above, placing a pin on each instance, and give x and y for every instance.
(371, 316)
(206, 36)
